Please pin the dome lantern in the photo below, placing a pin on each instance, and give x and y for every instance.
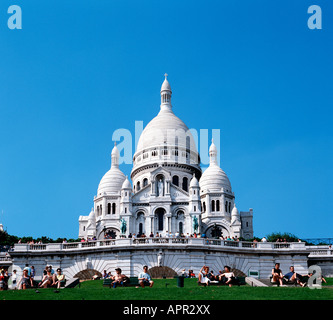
(166, 94)
(213, 153)
(115, 156)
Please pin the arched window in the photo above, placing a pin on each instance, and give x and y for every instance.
(188, 142)
(145, 182)
(217, 205)
(204, 206)
(138, 186)
(160, 218)
(97, 211)
(140, 228)
(109, 208)
(175, 180)
(185, 184)
(226, 206)
(100, 209)
(229, 207)
(180, 228)
(113, 208)
(213, 205)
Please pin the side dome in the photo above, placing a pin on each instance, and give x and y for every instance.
(126, 184)
(112, 181)
(194, 182)
(214, 178)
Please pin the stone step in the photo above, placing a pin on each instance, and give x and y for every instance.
(71, 283)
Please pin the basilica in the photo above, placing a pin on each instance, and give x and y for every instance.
(167, 191)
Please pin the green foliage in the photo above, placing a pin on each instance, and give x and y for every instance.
(9, 240)
(274, 236)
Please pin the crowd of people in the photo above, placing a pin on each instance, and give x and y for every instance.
(164, 235)
(27, 279)
(226, 277)
(119, 279)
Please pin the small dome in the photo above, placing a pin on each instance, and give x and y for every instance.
(214, 178)
(92, 215)
(194, 182)
(212, 148)
(165, 85)
(235, 211)
(126, 184)
(111, 182)
(234, 214)
(115, 151)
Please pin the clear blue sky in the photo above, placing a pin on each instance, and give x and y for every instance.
(79, 70)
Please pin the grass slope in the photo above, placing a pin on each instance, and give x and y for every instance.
(166, 289)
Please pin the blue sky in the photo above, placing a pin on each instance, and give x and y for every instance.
(79, 70)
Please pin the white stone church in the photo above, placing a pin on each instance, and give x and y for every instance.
(170, 193)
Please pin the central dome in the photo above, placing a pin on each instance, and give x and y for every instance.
(166, 129)
(166, 141)
(166, 138)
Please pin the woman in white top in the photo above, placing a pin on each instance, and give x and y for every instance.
(228, 274)
(203, 275)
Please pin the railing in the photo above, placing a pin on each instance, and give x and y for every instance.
(4, 258)
(126, 242)
(322, 253)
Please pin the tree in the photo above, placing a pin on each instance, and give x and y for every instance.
(278, 235)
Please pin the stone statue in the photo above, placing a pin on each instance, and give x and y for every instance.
(195, 224)
(123, 225)
(160, 188)
(160, 259)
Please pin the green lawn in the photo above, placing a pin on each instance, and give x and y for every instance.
(166, 289)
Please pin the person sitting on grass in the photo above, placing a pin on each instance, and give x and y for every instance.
(203, 275)
(25, 281)
(96, 276)
(294, 277)
(47, 280)
(277, 275)
(227, 277)
(191, 274)
(58, 278)
(144, 278)
(118, 279)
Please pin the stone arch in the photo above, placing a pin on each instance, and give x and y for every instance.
(108, 230)
(161, 272)
(159, 214)
(87, 274)
(238, 273)
(223, 227)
